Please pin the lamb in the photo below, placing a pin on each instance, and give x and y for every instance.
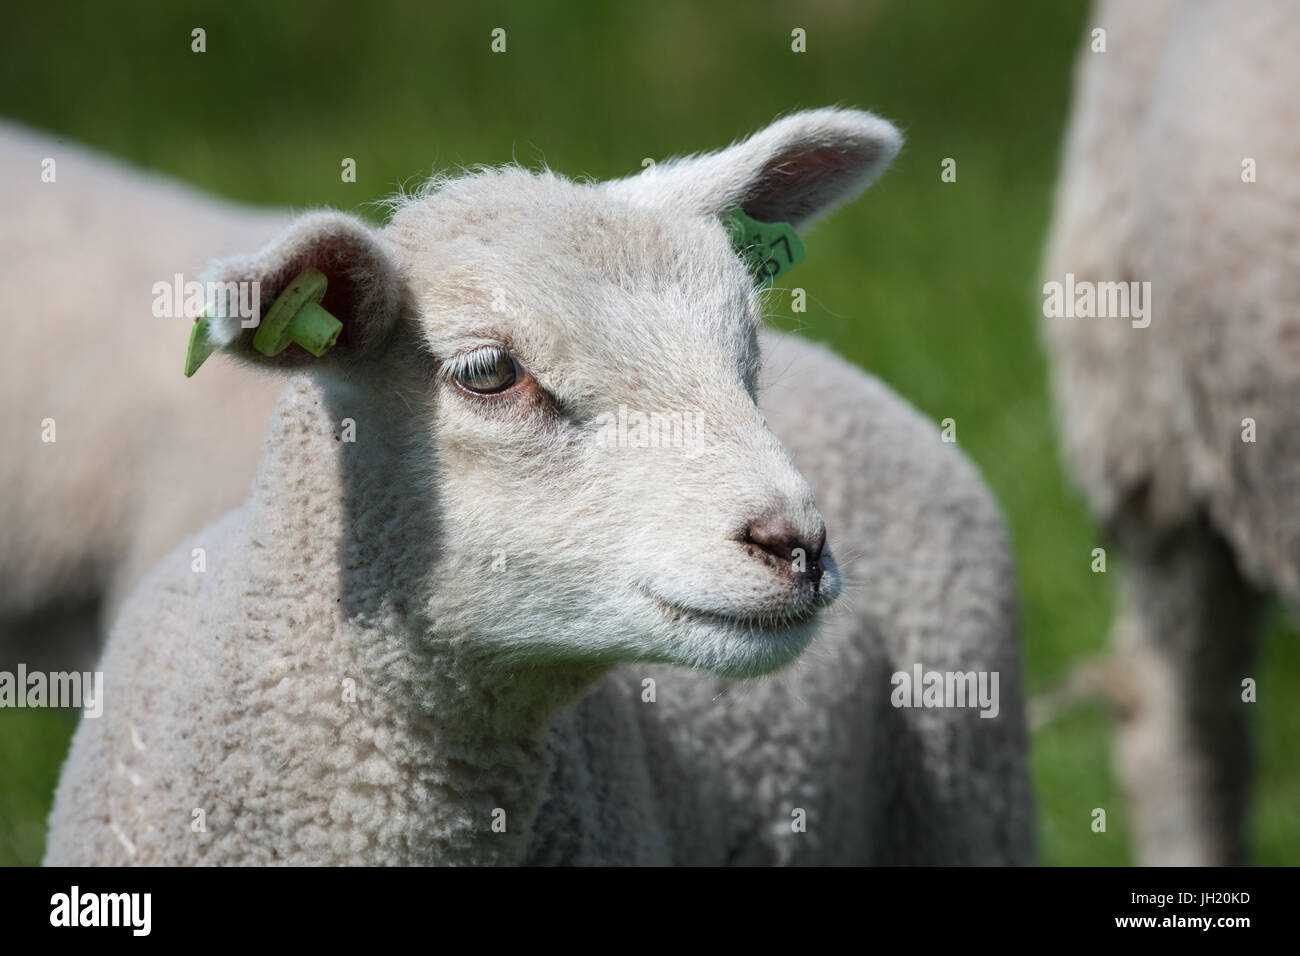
(139, 458)
(1179, 169)
(450, 627)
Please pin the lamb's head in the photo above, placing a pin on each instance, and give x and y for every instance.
(577, 365)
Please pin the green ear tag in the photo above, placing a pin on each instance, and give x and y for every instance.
(294, 317)
(770, 249)
(200, 348)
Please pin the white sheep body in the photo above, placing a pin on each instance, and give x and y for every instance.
(354, 681)
(140, 457)
(1180, 170)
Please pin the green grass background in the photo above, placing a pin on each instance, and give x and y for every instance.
(931, 286)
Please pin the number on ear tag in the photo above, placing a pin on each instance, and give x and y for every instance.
(770, 249)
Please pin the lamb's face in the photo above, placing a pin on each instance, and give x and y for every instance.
(607, 487)
(579, 365)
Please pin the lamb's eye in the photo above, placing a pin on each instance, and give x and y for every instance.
(486, 371)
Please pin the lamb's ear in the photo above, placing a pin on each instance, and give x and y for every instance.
(365, 291)
(794, 171)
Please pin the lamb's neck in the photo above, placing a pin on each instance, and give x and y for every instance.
(457, 739)
(475, 765)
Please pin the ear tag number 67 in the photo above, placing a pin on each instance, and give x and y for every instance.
(770, 249)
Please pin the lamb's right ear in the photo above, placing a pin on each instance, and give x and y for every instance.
(796, 170)
(365, 291)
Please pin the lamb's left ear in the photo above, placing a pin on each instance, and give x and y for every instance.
(364, 290)
(794, 171)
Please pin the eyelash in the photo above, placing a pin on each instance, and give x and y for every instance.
(480, 359)
(525, 386)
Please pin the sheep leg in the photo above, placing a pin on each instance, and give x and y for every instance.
(1184, 642)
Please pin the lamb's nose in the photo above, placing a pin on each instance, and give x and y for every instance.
(780, 539)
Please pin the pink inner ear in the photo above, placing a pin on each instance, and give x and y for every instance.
(337, 259)
(796, 183)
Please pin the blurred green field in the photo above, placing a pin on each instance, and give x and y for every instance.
(929, 285)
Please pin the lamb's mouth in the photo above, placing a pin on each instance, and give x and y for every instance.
(801, 613)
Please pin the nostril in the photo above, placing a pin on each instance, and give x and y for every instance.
(784, 542)
(776, 538)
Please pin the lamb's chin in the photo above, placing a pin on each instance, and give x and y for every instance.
(737, 647)
(755, 651)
